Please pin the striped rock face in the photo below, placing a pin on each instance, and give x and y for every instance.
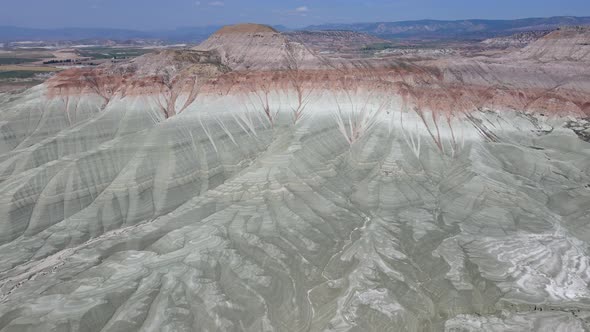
(182, 191)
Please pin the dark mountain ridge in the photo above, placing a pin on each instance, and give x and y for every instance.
(458, 29)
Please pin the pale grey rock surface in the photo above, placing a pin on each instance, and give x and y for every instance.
(117, 220)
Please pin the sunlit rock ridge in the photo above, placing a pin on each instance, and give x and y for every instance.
(252, 185)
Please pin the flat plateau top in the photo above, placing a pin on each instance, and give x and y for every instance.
(245, 28)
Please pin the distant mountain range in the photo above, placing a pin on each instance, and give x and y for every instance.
(462, 29)
(422, 29)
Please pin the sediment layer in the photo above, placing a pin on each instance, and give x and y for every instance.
(183, 191)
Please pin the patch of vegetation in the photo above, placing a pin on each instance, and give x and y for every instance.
(62, 61)
(21, 74)
(112, 53)
(15, 61)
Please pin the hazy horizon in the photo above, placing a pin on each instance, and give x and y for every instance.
(153, 15)
(275, 25)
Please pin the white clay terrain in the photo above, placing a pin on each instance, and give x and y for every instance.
(249, 185)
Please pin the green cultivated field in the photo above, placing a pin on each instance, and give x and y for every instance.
(15, 61)
(18, 74)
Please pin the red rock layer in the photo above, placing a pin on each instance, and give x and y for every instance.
(423, 87)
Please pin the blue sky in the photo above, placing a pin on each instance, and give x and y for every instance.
(162, 14)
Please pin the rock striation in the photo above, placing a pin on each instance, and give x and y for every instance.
(565, 44)
(228, 188)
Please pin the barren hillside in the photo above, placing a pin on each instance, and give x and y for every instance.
(565, 44)
(252, 184)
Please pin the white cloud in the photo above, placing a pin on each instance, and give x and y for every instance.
(95, 4)
(217, 4)
(197, 3)
(299, 11)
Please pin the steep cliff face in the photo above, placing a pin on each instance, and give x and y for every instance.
(185, 190)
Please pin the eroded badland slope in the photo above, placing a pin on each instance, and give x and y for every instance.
(252, 184)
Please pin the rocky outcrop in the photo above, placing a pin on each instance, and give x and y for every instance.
(517, 40)
(565, 44)
(257, 47)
